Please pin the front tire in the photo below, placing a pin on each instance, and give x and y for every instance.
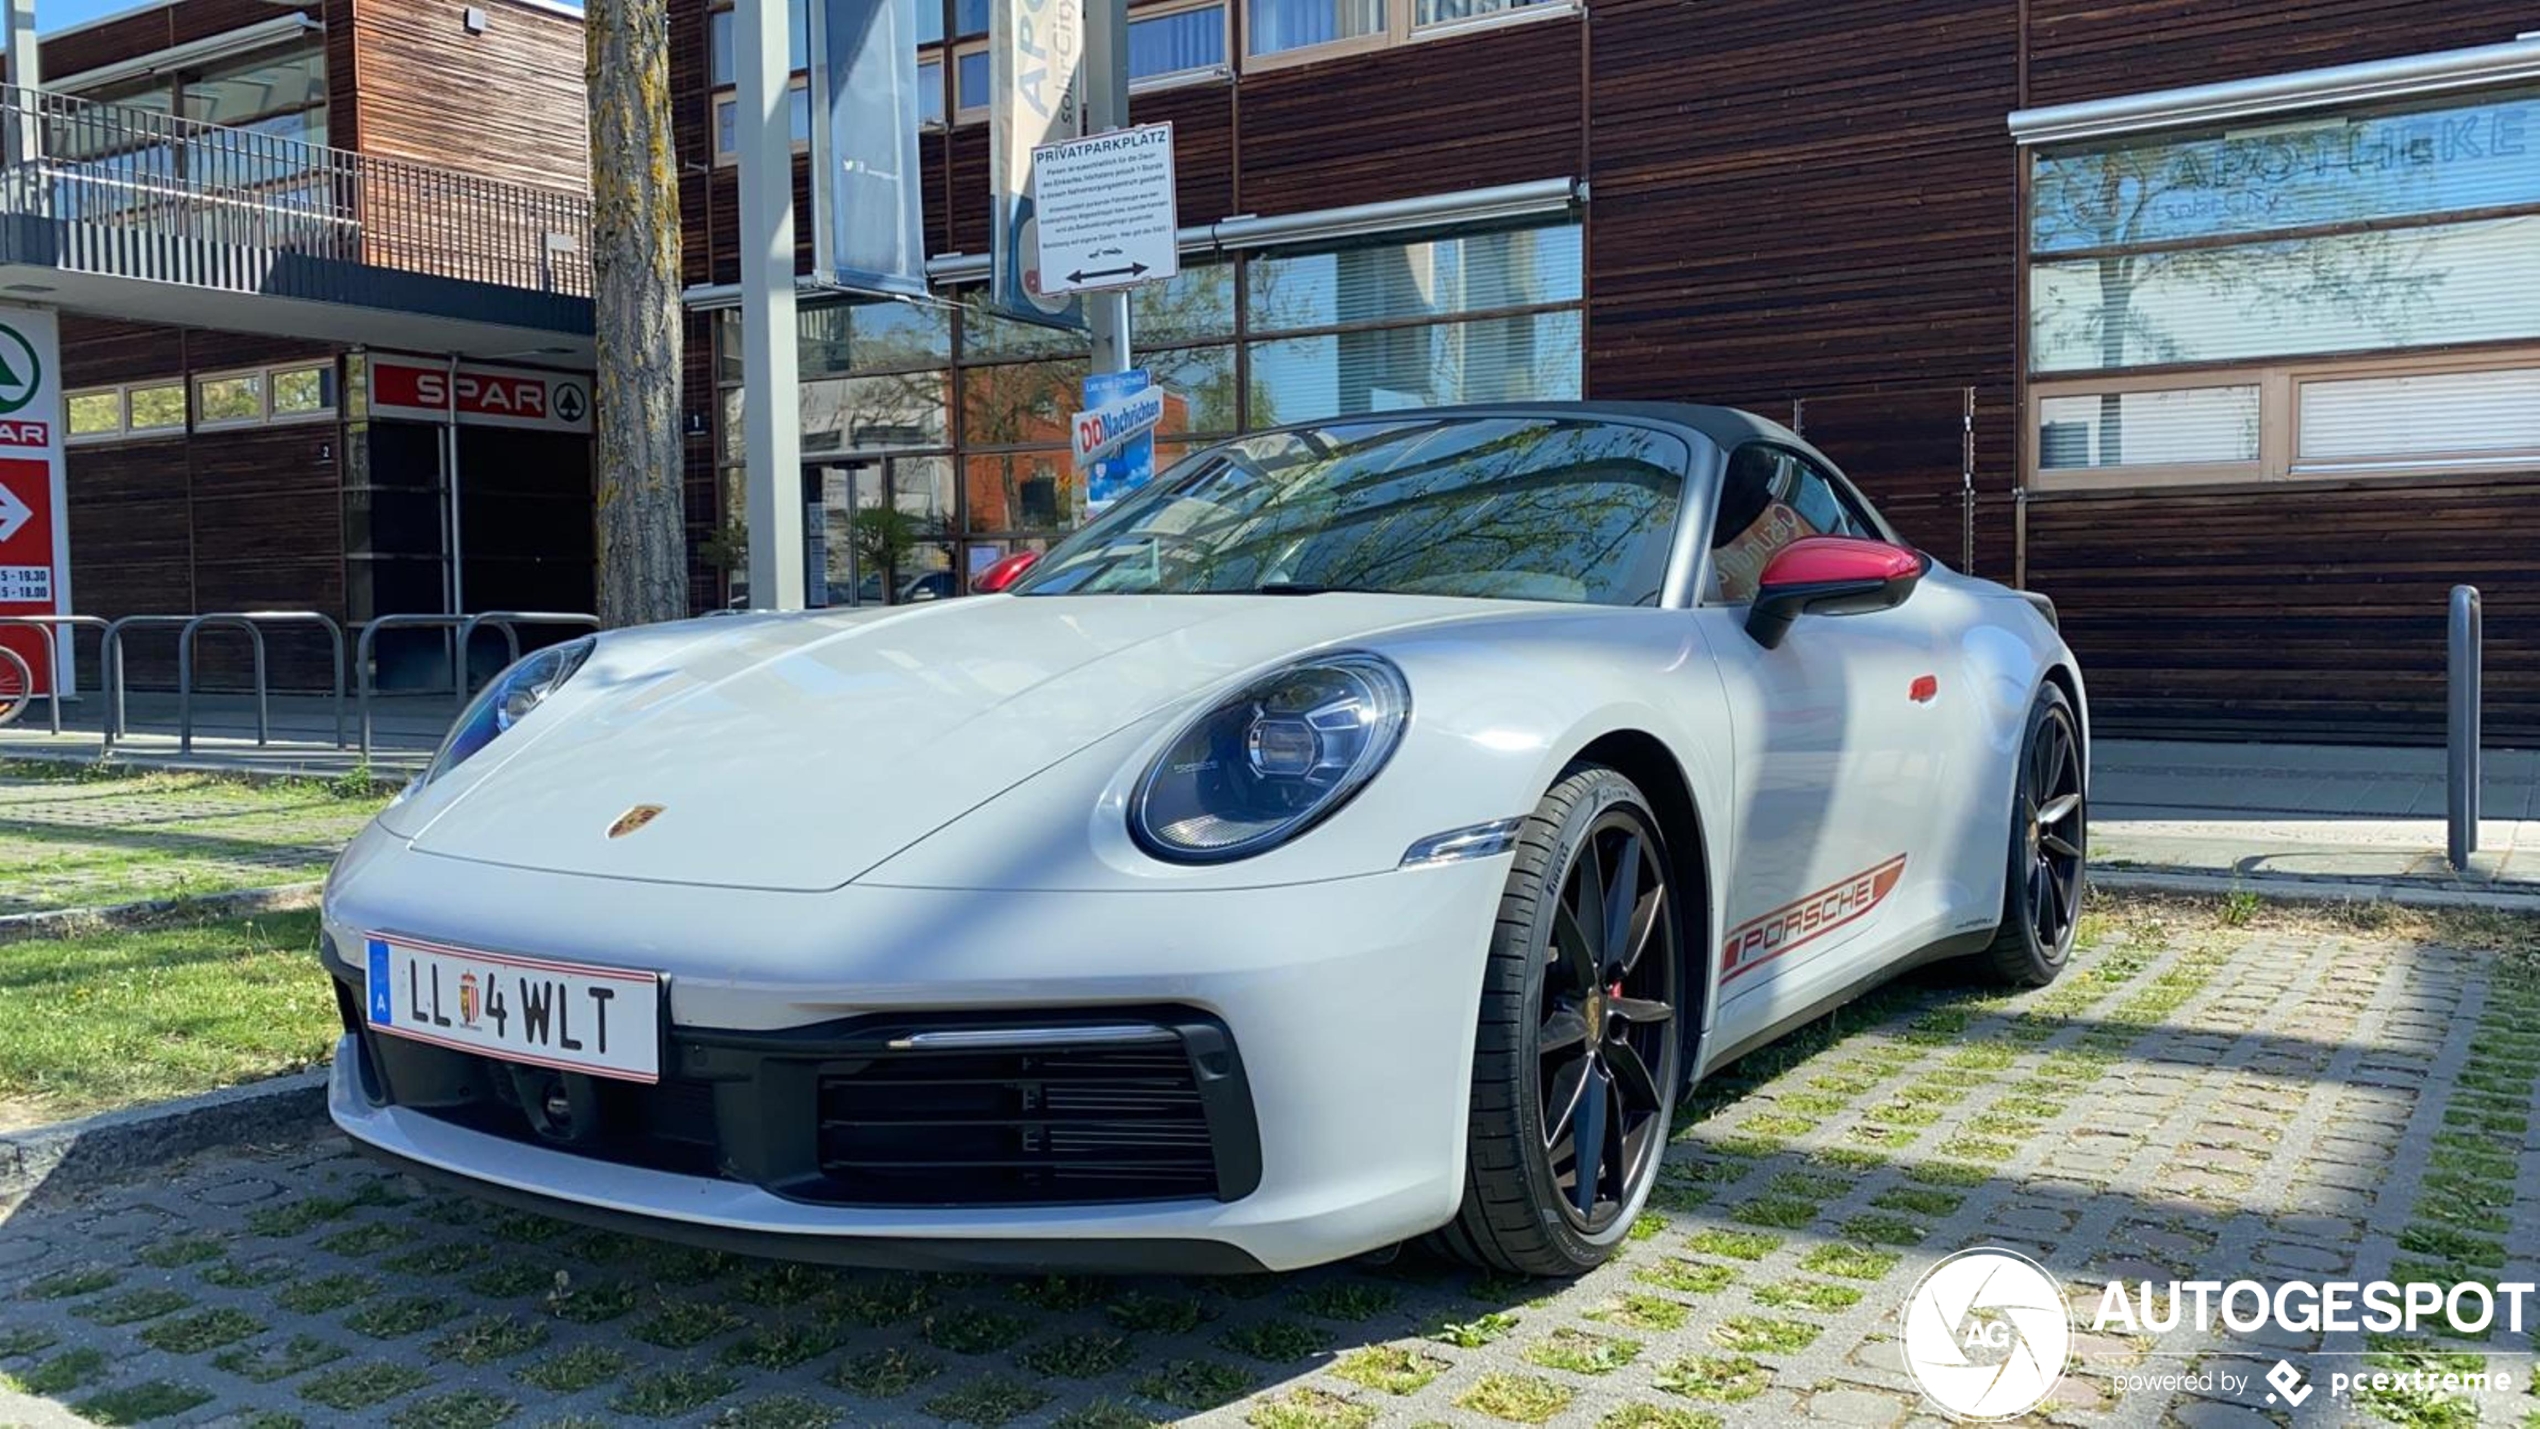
(1578, 1051)
(2050, 828)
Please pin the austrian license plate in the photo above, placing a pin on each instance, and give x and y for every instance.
(574, 1016)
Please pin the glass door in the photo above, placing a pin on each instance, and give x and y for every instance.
(876, 531)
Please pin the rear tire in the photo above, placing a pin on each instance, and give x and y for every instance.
(1577, 1043)
(2050, 828)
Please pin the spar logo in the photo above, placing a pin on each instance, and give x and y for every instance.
(1986, 1334)
(21, 372)
(1808, 917)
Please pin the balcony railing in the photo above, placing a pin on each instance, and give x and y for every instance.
(145, 194)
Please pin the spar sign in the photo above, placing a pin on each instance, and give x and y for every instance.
(35, 556)
(476, 395)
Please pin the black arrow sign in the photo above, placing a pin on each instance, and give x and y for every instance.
(1132, 271)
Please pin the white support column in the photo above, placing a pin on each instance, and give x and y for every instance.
(20, 140)
(771, 405)
(1106, 109)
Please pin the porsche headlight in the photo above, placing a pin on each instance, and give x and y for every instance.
(506, 701)
(1271, 761)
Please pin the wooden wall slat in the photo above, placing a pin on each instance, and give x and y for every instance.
(506, 105)
(2091, 49)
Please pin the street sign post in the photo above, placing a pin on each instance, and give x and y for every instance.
(1106, 210)
(34, 536)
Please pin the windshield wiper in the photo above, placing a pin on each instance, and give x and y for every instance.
(1298, 588)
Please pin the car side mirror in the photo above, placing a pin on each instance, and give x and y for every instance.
(1830, 575)
(1005, 572)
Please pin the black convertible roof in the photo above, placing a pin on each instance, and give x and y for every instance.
(1728, 426)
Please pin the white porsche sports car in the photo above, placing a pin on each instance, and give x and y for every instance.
(1365, 831)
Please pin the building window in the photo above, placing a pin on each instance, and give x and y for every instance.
(930, 91)
(971, 85)
(2258, 300)
(93, 414)
(1176, 44)
(1480, 318)
(1311, 29)
(302, 392)
(157, 407)
(229, 399)
(727, 115)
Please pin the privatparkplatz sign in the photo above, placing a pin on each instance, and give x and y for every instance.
(1106, 210)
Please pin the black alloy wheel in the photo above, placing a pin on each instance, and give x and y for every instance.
(2050, 834)
(1579, 1048)
(1609, 1008)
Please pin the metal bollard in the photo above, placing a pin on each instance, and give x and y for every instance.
(2462, 763)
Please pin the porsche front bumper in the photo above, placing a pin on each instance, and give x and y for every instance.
(1347, 1009)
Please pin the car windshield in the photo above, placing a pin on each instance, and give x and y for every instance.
(1505, 507)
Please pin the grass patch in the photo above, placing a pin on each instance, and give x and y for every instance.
(1736, 1245)
(1475, 1333)
(1348, 1300)
(488, 1338)
(325, 1292)
(782, 1347)
(1311, 1408)
(575, 1370)
(988, 1400)
(1642, 1312)
(79, 1280)
(267, 1363)
(1278, 1341)
(1084, 1356)
(966, 1330)
(667, 1392)
(1520, 1398)
(1652, 1416)
(1143, 1313)
(1582, 1353)
(465, 1409)
(1194, 1384)
(66, 1371)
(1764, 1334)
(1692, 1277)
(353, 1388)
(1720, 1379)
(1393, 1369)
(1851, 1262)
(402, 1315)
(198, 1334)
(114, 1019)
(777, 1411)
(140, 1403)
(685, 1324)
(1820, 1295)
(881, 1374)
(134, 1306)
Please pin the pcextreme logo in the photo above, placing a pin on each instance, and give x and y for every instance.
(21, 373)
(1986, 1334)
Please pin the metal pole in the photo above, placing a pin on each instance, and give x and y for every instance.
(771, 406)
(2462, 761)
(1106, 109)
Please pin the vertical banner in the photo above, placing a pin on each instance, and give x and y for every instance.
(1036, 79)
(1129, 465)
(868, 213)
(35, 538)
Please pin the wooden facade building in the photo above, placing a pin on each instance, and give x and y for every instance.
(1817, 209)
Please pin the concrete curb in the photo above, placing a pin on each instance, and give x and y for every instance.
(2314, 890)
(68, 922)
(71, 1155)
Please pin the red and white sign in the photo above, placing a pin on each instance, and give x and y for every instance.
(34, 537)
(476, 395)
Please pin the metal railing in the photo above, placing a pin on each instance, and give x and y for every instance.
(2463, 732)
(56, 630)
(124, 181)
(251, 621)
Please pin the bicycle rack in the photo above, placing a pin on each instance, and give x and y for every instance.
(362, 680)
(250, 620)
(509, 621)
(26, 682)
(111, 657)
(56, 629)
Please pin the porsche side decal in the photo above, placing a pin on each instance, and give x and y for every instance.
(1804, 919)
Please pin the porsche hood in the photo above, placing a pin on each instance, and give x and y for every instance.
(795, 752)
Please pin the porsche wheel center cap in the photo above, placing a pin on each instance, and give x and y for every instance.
(1594, 1011)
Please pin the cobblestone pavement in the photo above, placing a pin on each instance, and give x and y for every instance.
(72, 843)
(2191, 1102)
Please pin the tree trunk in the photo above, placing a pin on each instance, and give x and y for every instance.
(643, 556)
